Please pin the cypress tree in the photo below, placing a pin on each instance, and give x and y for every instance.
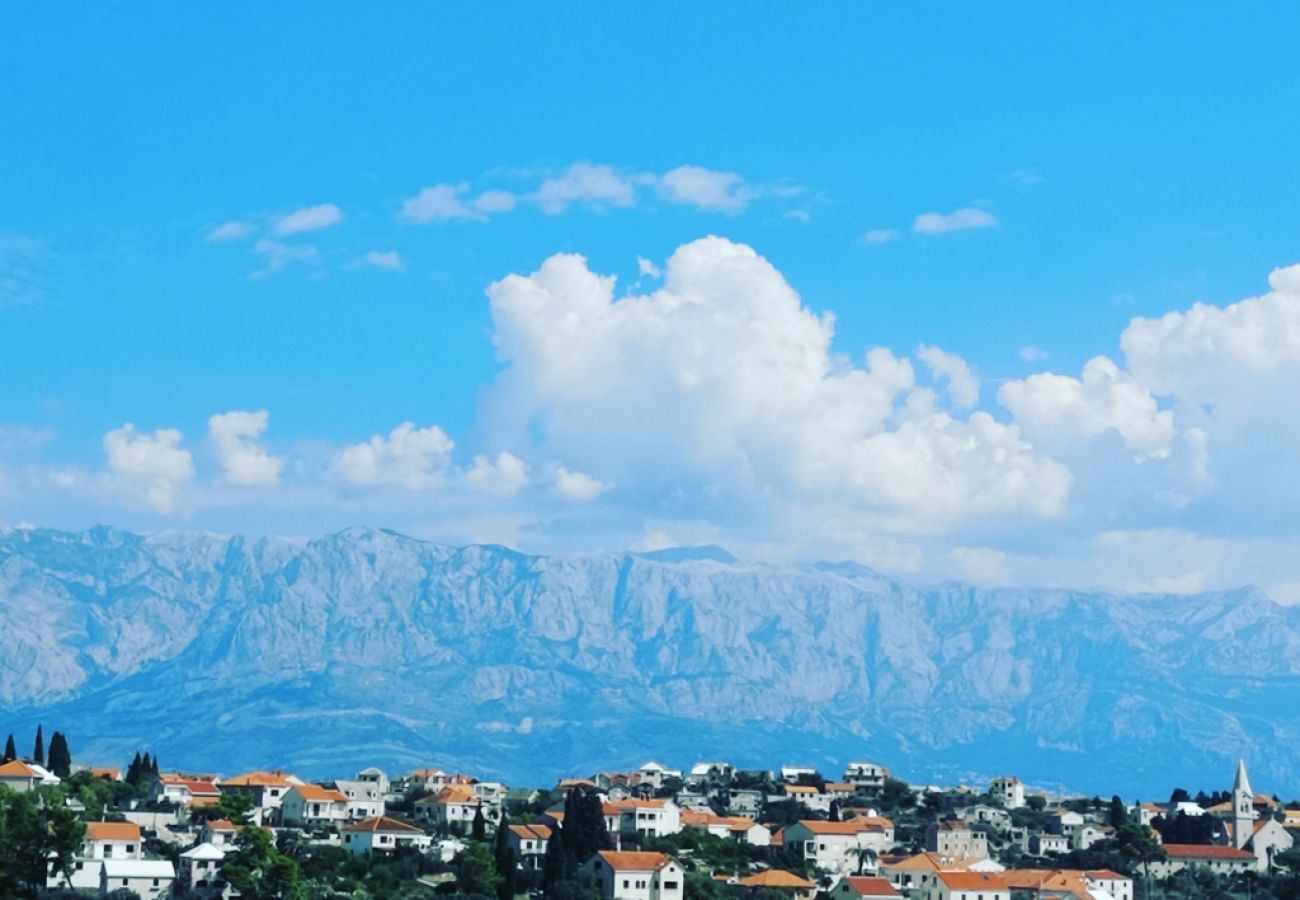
(834, 814)
(60, 759)
(505, 858)
(133, 770)
(478, 831)
(555, 867)
(11, 751)
(38, 751)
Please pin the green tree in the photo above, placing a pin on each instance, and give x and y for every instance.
(555, 865)
(507, 865)
(476, 871)
(478, 829)
(11, 751)
(1118, 815)
(235, 806)
(38, 751)
(38, 835)
(258, 871)
(896, 794)
(60, 759)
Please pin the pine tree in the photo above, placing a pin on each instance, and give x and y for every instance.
(38, 751)
(11, 751)
(60, 759)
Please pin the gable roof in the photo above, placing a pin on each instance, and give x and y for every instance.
(112, 831)
(1206, 851)
(637, 861)
(258, 779)
(383, 823)
(317, 794)
(776, 878)
(856, 826)
(16, 768)
(866, 886)
(964, 881)
(532, 832)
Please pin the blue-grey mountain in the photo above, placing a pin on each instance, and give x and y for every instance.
(222, 652)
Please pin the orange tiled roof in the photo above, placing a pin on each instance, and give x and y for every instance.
(110, 774)
(778, 879)
(221, 825)
(872, 887)
(258, 779)
(1206, 851)
(383, 823)
(16, 768)
(532, 832)
(972, 881)
(112, 831)
(857, 826)
(317, 794)
(636, 861)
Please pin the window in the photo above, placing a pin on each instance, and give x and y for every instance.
(670, 885)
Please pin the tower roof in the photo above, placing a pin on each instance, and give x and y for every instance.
(1242, 783)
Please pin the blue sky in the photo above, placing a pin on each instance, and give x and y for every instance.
(1108, 165)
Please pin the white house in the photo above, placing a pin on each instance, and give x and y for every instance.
(365, 798)
(201, 866)
(637, 876)
(455, 807)
(186, 791)
(112, 840)
(1045, 844)
(311, 804)
(20, 776)
(383, 835)
(1008, 791)
(654, 775)
(956, 838)
(705, 772)
(649, 818)
(791, 774)
(148, 878)
(864, 887)
(1065, 822)
(841, 847)
(377, 777)
(969, 886)
(1216, 858)
(529, 844)
(220, 832)
(865, 775)
(267, 790)
(737, 828)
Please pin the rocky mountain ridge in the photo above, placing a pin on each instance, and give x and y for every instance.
(367, 647)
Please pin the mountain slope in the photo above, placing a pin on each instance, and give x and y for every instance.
(368, 647)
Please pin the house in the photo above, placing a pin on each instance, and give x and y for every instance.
(637, 876)
(455, 807)
(649, 818)
(112, 840)
(806, 796)
(866, 776)
(1218, 859)
(985, 814)
(365, 798)
(794, 774)
(422, 779)
(220, 832)
(105, 772)
(711, 772)
(529, 844)
(1269, 837)
(200, 868)
(267, 791)
(311, 804)
(20, 776)
(738, 828)
(863, 887)
(1065, 822)
(840, 846)
(1146, 813)
(375, 777)
(1088, 835)
(147, 878)
(744, 801)
(186, 791)
(1045, 844)
(654, 775)
(780, 881)
(383, 835)
(969, 886)
(918, 875)
(956, 838)
(1120, 887)
(1008, 791)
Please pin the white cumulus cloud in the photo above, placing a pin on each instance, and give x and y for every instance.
(573, 485)
(962, 385)
(153, 466)
(244, 462)
(501, 477)
(723, 380)
(705, 188)
(583, 182)
(440, 203)
(409, 457)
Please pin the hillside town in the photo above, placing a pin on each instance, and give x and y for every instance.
(707, 832)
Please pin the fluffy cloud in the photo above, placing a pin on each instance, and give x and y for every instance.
(244, 462)
(409, 457)
(439, 203)
(309, 218)
(578, 485)
(962, 386)
(153, 466)
(722, 380)
(583, 182)
(705, 188)
(502, 477)
(880, 236)
(959, 220)
(1105, 398)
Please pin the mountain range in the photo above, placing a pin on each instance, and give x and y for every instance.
(222, 653)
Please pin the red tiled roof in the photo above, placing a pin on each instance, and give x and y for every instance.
(532, 832)
(112, 831)
(971, 881)
(635, 861)
(872, 887)
(317, 794)
(778, 879)
(383, 823)
(16, 768)
(1206, 851)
